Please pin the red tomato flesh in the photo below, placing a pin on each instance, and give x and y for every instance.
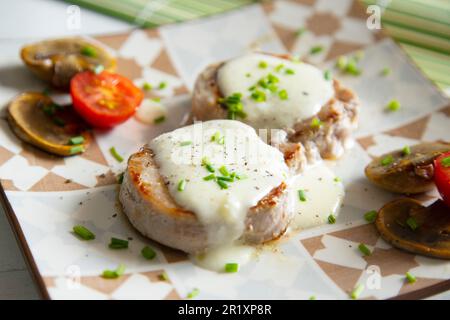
(105, 99)
(442, 176)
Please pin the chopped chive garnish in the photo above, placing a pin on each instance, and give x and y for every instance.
(316, 123)
(341, 63)
(312, 298)
(364, 250)
(118, 243)
(159, 119)
(241, 176)
(412, 223)
(120, 178)
(357, 291)
(49, 109)
(393, 105)
(370, 216)
(205, 161)
(83, 232)
(385, 71)
(113, 274)
(248, 75)
(98, 69)
(387, 160)
(410, 277)
(272, 79)
(223, 170)
(163, 277)
(300, 31)
(231, 267)
(327, 75)
(251, 88)
(115, 154)
(352, 68)
(181, 185)
(222, 184)
(446, 162)
(301, 195)
(262, 64)
(290, 71)
(279, 67)
(59, 122)
(258, 96)
(283, 95)
(337, 179)
(147, 86)
(76, 140)
(234, 105)
(185, 143)
(331, 219)
(221, 140)
(156, 99)
(76, 149)
(316, 49)
(212, 176)
(227, 179)
(215, 136)
(406, 150)
(193, 293)
(148, 253)
(162, 85)
(210, 168)
(88, 51)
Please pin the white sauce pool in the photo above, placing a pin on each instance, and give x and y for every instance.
(306, 87)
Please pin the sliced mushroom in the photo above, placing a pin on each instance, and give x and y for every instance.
(57, 61)
(408, 225)
(37, 120)
(406, 173)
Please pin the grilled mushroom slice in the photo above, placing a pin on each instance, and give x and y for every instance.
(57, 61)
(408, 225)
(37, 120)
(407, 171)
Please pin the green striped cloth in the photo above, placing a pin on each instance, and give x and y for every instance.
(422, 27)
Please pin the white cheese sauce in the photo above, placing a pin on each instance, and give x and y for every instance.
(323, 194)
(227, 144)
(305, 85)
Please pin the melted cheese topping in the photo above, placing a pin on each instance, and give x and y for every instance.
(224, 144)
(306, 87)
(323, 194)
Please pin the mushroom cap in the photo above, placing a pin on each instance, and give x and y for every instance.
(57, 61)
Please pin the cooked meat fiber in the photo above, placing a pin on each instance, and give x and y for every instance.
(325, 132)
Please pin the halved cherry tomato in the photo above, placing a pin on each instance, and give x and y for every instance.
(105, 99)
(442, 176)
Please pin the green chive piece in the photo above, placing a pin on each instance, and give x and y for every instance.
(446, 162)
(406, 150)
(223, 170)
(156, 99)
(316, 49)
(290, 71)
(113, 274)
(331, 219)
(231, 267)
(118, 243)
(120, 269)
(337, 179)
(241, 176)
(88, 51)
(59, 122)
(195, 292)
(181, 185)
(352, 68)
(389, 159)
(364, 250)
(215, 136)
(159, 120)
(163, 277)
(185, 143)
(76, 149)
(147, 86)
(212, 176)
(357, 291)
(162, 85)
(120, 178)
(205, 161)
(227, 179)
(341, 63)
(412, 223)
(148, 253)
(300, 31)
(279, 67)
(410, 278)
(210, 168)
(301, 195)
(393, 105)
(262, 64)
(312, 298)
(248, 75)
(49, 109)
(385, 71)
(222, 184)
(370, 216)
(234, 105)
(327, 75)
(83, 232)
(76, 140)
(115, 154)
(98, 69)
(283, 95)
(315, 123)
(251, 88)
(258, 96)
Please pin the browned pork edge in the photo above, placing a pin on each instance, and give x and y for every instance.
(153, 212)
